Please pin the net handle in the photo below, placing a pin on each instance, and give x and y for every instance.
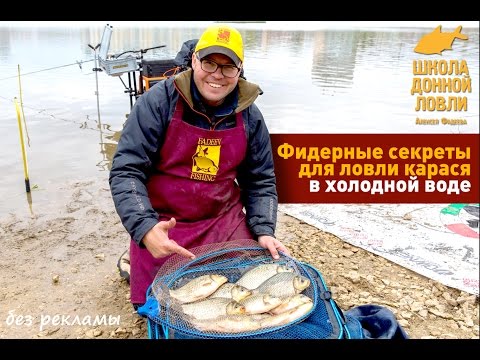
(216, 253)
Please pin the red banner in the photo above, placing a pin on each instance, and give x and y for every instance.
(377, 168)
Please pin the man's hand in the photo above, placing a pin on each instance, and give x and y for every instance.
(273, 245)
(158, 243)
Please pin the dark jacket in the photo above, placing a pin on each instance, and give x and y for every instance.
(143, 136)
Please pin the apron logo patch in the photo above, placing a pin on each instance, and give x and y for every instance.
(206, 159)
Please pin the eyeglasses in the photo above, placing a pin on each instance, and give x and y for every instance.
(210, 66)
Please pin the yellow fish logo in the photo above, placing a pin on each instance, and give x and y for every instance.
(437, 41)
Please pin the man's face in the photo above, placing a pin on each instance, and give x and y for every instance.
(213, 86)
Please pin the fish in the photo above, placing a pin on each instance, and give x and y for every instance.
(246, 323)
(228, 324)
(286, 317)
(283, 285)
(260, 303)
(198, 288)
(232, 291)
(290, 303)
(258, 274)
(213, 308)
(438, 41)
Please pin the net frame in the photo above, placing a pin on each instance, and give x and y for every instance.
(233, 259)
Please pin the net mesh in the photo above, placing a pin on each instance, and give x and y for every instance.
(236, 289)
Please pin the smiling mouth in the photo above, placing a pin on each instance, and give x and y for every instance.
(216, 86)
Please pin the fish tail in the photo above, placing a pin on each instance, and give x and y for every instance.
(458, 35)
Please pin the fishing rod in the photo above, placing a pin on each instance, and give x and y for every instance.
(79, 63)
(22, 146)
(141, 51)
(96, 69)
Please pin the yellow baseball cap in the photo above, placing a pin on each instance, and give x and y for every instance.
(221, 39)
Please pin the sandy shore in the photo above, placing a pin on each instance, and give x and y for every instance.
(59, 263)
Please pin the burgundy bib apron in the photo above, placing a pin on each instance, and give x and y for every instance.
(194, 183)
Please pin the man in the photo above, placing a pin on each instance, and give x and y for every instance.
(195, 152)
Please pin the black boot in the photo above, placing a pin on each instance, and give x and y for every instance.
(123, 265)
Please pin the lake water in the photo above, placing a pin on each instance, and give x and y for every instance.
(330, 79)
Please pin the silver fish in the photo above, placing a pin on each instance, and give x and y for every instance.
(290, 303)
(232, 291)
(247, 323)
(228, 324)
(260, 303)
(283, 285)
(213, 308)
(287, 316)
(258, 274)
(198, 288)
